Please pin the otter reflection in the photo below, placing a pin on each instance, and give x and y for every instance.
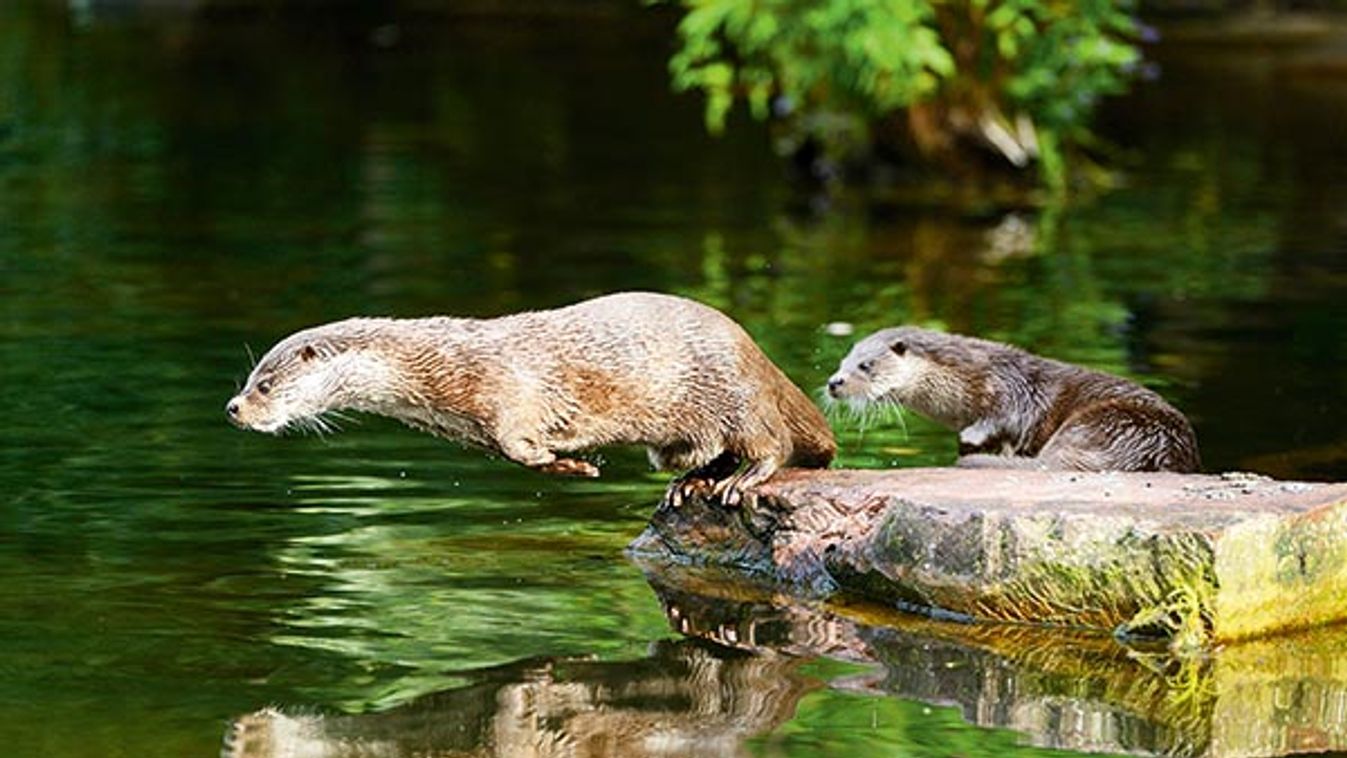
(688, 697)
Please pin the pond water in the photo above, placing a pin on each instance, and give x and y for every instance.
(177, 188)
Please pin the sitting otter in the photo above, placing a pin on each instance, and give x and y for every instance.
(632, 368)
(1014, 409)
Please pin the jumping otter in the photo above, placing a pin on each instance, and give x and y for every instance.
(632, 368)
(1014, 409)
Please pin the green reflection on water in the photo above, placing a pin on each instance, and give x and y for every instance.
(831, 722)
(174, 190)
(437, 584)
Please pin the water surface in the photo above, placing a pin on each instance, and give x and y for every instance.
(177, 188)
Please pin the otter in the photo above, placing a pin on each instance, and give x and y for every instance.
(669, 373)
(1014, 409)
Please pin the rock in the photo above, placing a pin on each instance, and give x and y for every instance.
(1195, 558)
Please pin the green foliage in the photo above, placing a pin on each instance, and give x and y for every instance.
(854, 53)
(1063, 56)
(1021, 76)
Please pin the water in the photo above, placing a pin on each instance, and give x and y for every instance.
(176, 188)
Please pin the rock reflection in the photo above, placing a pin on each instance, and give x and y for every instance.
(1059, 688)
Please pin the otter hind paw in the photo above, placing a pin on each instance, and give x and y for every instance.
(570, 467)
(731, 491)
(703, 482)
(736, 490)
(687, 488)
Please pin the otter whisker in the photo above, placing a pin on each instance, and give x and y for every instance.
(860, 412)
(863, 415)
(252, 359)
(898, 409)
(325, 425)
(334, 420)
(831, 407)
(316, 425)
(844, 411)
(331, 421)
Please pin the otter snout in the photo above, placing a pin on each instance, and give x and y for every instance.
(246, 414)
(233, 409)
(835, 385)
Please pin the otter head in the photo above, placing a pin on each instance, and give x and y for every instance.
(879, 368)
(907, 366)
(304, 376)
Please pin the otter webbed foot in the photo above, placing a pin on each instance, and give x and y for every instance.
(684, 488)
(702, 482)
(569, 467)
(734, 490)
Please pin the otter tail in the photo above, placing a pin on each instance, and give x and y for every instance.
(812, 440)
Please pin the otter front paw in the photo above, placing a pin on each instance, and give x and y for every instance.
(570, 467)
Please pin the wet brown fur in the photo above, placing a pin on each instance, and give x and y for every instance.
(1012, 408)
(630, 368)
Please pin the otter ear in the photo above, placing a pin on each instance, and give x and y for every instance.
(307, 353)
(899, 347)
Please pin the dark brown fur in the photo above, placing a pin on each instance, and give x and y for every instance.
(633, 368)
(1012, 408)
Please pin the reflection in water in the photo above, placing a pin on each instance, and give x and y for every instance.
(749, 676)
(416, 579)
(685, 698)
(1059, 688)
(1063, 690)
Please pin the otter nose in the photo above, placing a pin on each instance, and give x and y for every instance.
(835, 385)
(232, 409)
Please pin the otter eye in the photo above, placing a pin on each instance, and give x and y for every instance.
(867, 366)
(264, 386)
(899, 347)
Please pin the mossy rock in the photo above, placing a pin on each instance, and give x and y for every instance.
(1194, 558)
